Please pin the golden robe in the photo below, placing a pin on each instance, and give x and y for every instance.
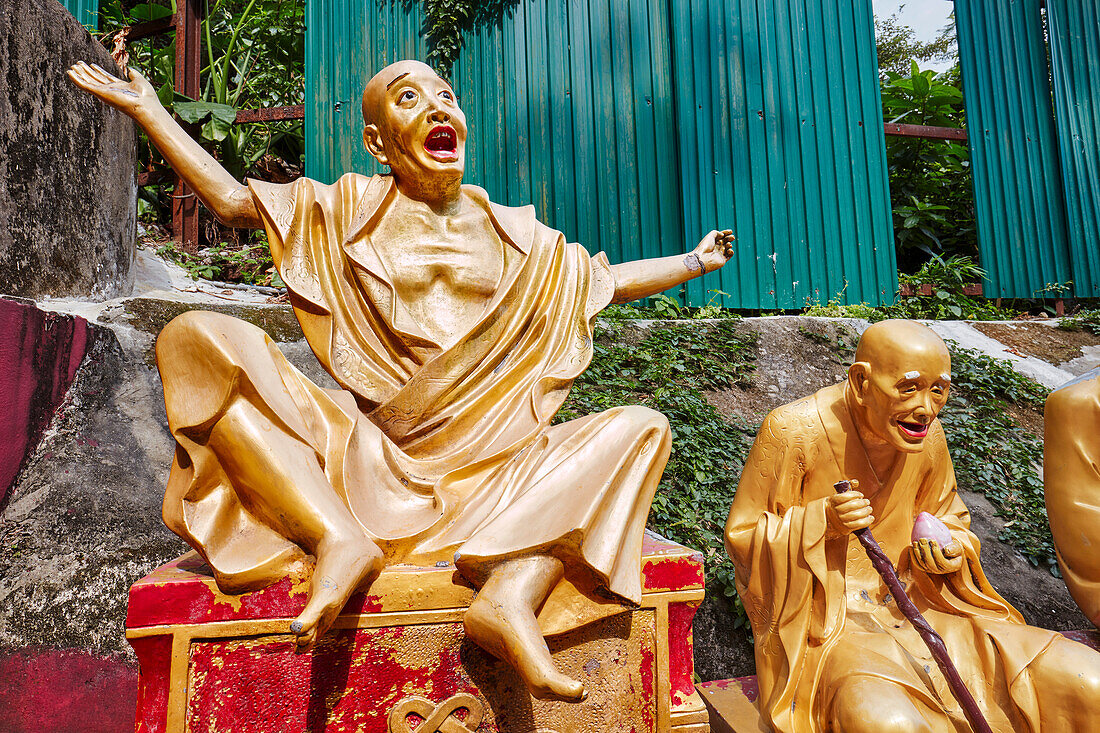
(821, 614)
(438, 453)
(1071, 478)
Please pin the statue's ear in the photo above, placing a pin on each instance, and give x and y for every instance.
(858, 376)
(372, 140)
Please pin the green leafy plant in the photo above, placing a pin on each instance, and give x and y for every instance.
(836, 308)
(254, 58)
(993, 454)
(930, 180)
(948, 300)
(670, 369)
(250, 264)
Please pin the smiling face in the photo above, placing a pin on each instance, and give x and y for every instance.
(900, 382)
(414, 124)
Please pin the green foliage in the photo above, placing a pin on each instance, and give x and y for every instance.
(948, 301)
(898, 46)
(835, 308)
(993, 455)
(254, 58)
(446, 23)
(670, 370)
(227, 262)
(1087, 319)
(930, 181)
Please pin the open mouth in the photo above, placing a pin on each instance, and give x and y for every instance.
(442, 143)
(913, 429)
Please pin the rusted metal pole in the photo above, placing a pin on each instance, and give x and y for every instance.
(185, 205)
(271, 114)
(928, 132)
(931, 639)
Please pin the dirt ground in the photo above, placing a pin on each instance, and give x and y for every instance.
(796, 356)
(1044, 342)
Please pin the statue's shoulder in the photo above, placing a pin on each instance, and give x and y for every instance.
(796, 422)
(1080, 395)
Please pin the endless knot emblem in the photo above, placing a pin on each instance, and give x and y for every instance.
(439, 718)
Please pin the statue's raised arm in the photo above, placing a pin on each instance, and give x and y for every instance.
(225, 196)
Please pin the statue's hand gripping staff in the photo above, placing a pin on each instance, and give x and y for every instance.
(935, 644)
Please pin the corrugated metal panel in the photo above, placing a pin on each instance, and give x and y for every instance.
(1075, 61)
(1018, 193)
(781, 137)
(593, 110)
(568, 105)
(86, 11)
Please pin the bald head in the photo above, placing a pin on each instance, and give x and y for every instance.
(892, 343)
(374, 95)
(898, 384)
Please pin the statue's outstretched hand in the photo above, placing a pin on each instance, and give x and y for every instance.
(936, 560)
(129, 97)
(715, 249)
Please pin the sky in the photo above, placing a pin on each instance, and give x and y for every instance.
(926, 17)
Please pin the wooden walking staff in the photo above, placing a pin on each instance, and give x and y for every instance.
(931, 639)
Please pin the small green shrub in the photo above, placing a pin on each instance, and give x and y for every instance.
(249, 263)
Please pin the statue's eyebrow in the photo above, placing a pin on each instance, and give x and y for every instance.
(396, 79)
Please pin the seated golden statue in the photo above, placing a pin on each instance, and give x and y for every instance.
(1071, 478)
(455, 327)
(833, 652)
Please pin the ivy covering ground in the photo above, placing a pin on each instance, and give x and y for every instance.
(670, 370)
(671, 366)
(996, 457)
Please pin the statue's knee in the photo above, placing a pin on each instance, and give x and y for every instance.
(196, 337)
(1072, 667)
(876, 707)
(188, 330)
(643, 418)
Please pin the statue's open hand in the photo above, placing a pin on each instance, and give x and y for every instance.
(714, 249)
(847, 512)
(128, 97)
(936, 560)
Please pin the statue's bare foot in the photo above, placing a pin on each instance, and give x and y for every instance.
(342, 567)
(508, 629)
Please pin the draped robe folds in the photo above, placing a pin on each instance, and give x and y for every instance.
(439, 453)
(1071, 478)
(819, 611)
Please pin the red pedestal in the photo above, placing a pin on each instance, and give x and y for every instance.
(397, 659)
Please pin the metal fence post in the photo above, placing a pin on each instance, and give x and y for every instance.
(185, 205)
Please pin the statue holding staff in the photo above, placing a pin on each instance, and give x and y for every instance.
(455, 327)
(833, 650)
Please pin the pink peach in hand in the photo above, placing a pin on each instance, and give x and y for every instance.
(929, 527)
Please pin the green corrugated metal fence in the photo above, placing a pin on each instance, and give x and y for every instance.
(781, 126)
(634, 126)
(1075, 61)
(1022, 235)
(86, 11)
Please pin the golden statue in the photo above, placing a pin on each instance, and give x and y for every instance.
(833, 651)
(1071, 475)
(456, 328)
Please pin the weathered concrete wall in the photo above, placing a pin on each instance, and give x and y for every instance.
(67, 163)
(39, 356)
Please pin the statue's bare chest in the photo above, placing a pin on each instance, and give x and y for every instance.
(444, 270)
(462, 258)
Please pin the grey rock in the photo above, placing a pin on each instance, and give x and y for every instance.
(67, 163)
